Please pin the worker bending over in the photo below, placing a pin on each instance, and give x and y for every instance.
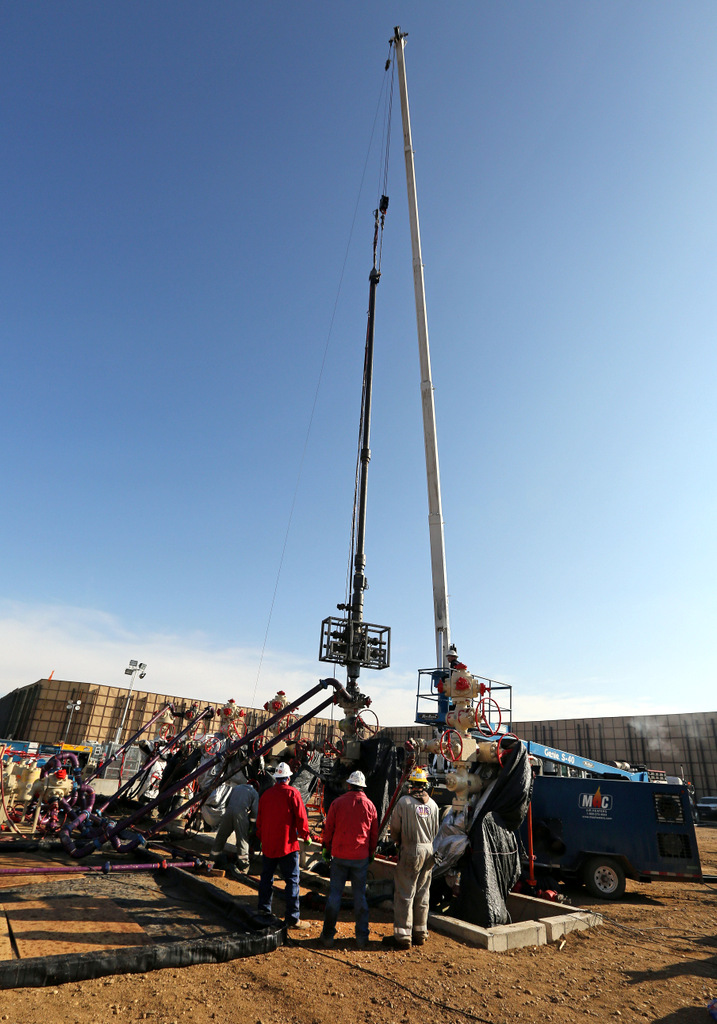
(350, 837)
(414, 824)
(280, 822)
(239, 818)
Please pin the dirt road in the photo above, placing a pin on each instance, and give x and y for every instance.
(654, 959)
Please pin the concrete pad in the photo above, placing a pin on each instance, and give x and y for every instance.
(558, 927)
(496, 940)
(535, 923)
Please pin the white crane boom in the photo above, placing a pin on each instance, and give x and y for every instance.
(435, 515)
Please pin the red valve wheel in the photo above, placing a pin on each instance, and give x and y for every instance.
(212, 745)
(195, 734)
(446, 745)
(284, 723)
(364, 727)
(500, 752)
(487, 709)
(334, 748)
(237, 729)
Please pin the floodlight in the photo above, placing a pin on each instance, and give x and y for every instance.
(135, 668)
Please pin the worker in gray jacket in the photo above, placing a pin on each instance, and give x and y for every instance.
(414, 824)
(239, 817)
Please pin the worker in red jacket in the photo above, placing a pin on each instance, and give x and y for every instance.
(350, 837)
(280, 822)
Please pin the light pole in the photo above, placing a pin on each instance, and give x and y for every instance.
(132, 670)
(72, 706)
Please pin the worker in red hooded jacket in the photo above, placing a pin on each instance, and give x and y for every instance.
(350, 837)
(280, 822)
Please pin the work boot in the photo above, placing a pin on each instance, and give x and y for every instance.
(327, 941)
(302, 926)
(419, 938)
(361, 942)
(394, 943)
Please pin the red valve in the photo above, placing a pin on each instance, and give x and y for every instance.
(447, 738)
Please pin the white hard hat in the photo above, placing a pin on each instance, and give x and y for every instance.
(357, 779)
(282, 771)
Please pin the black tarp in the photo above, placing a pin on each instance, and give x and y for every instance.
(306, 778)
(248, 933)
(490, 866)
(381, 761)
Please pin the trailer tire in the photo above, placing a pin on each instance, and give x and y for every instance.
(605, 878)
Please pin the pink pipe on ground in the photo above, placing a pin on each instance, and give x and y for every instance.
(105, 868)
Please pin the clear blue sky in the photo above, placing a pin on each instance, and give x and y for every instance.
(177, 191)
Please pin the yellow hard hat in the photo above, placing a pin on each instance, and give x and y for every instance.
(418, 777)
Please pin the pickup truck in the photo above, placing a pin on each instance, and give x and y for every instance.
(707, 807)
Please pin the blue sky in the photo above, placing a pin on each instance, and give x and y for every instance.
(177, 193)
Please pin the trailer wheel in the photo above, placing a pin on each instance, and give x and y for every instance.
(604, 877)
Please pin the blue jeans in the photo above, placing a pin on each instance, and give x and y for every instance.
(289, 867)
(341, 871)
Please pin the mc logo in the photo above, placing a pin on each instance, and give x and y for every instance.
(595, 801)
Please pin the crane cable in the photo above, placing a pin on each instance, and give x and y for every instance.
(379, 221)
(329, 336)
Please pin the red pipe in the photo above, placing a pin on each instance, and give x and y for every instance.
(531, 856)
(396, 793)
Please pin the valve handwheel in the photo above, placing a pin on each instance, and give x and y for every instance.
(363, 726)
(446, 745)
(212, 745)
(195, 733)
(334, 748)
(238, 729)
(500, 751)
(285, 723)
(488, 707)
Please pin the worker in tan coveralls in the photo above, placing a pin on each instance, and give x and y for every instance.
(414, 824)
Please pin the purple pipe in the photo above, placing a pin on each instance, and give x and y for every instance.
(105, 868)
(129, 742)
(207, 713)
(267, 746)
(229, 751)
(104, 836)
(68, 843)
(140, 840)
(87, 797)
(57, 761)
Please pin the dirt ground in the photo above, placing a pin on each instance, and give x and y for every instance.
(653, 959)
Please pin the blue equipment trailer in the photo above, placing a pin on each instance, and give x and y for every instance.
(600, 825)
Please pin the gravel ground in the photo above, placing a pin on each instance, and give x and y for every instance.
(654, 959)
